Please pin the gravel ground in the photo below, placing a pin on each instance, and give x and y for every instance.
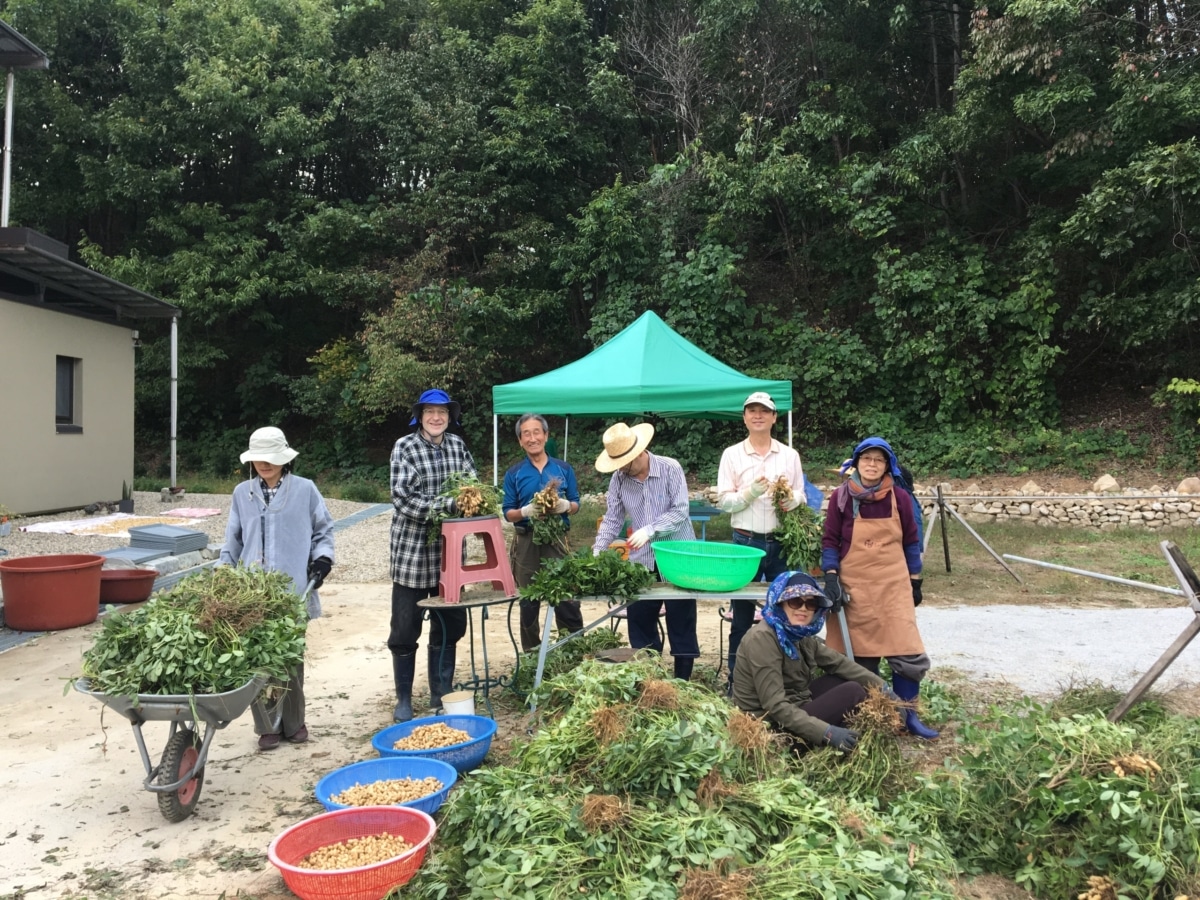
(361, 549)
(1042, 649)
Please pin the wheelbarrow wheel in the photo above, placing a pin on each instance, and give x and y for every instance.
(177, 760)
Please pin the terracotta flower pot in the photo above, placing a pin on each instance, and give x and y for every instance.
(48, 593)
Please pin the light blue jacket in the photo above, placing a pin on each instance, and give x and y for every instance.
(285, 536)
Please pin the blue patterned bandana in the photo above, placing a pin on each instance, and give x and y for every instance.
(775, 615)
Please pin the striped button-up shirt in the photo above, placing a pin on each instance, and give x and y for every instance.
(660, 503)
(418, 469)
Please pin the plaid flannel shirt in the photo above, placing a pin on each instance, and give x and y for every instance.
(418, 469)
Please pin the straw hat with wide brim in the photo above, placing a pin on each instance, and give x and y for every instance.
(623, 444)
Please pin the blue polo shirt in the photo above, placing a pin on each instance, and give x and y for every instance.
(523, 480)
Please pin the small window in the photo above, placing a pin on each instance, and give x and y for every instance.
(67, 418)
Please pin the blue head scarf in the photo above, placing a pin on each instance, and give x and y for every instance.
(787, 585)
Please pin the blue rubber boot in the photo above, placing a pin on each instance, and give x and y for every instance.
(908, 691)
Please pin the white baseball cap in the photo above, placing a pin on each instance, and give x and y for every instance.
(760, 397)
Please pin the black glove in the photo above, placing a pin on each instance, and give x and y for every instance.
(318, 571)
(841, 738)
(833, 591)
(916, 583)
(448, 506)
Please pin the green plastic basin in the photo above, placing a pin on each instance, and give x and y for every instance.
(707, 565)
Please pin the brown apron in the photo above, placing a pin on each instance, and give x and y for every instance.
(880, 614)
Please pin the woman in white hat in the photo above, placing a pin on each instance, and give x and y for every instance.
(279, 521)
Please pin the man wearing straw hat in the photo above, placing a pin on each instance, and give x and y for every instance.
(651, 492)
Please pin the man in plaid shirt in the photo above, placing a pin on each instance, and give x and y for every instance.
(421, 462)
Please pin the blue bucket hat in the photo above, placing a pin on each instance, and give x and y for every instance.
(435, 397)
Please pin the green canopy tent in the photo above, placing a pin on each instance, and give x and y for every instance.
(647, 369)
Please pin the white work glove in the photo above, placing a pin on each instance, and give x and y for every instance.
(757, 488)
(528, 511)
(795, 501)
(562, 506)
(638, 539)
(595, 552)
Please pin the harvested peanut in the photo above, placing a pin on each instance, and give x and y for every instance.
(388, 792)
(431, 737)
(354, 852)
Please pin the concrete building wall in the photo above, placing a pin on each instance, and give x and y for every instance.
(44, 466)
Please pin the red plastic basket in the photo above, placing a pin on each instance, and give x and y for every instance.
(365, 882)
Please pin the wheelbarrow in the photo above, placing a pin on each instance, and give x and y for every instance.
(179, 775)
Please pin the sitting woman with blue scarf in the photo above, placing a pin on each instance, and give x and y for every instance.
(774, 676)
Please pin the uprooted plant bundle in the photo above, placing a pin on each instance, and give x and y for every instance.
(563, 659)
(471, 497)
(209, 634)
(1073, 805)
(799, 530)
(582, 575)
(638, 785)
(548, 527)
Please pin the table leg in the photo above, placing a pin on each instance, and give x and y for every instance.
(441, 652)
(487, 678)
(547, 646)
(543, 649)
(516, 649)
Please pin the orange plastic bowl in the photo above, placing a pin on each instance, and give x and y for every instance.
(126, 585)
(372, 882)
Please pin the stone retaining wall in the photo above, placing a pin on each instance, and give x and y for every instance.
(1125, 510)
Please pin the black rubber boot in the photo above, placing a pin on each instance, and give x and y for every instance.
(683, 667)
(440, 681)
(403, 668)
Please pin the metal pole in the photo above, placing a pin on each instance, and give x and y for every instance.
(933, 520)
(789, 428)
(945, 536)
(1160, 665)
(566, 435)
(841, 615)
(1175, 592)
(9, 88)
(174, 393)
(495, 449)
(982, 543)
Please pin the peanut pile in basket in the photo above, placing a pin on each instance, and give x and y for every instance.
(430, 737)
(388, 792)
(354, 852)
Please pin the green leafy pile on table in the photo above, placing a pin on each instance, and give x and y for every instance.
(583, 575)
(209, 634)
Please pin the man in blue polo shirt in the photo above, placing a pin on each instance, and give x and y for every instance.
(521, 482)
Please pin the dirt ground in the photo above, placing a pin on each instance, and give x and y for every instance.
(77, 823)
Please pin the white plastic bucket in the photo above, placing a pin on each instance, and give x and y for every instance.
(459, 703)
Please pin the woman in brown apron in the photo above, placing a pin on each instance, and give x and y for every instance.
(872, 547)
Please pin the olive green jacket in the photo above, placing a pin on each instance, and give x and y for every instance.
(767, 683)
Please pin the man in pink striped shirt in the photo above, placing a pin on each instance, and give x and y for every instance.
(744, 479)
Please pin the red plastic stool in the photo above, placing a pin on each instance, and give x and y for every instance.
(495, 568)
